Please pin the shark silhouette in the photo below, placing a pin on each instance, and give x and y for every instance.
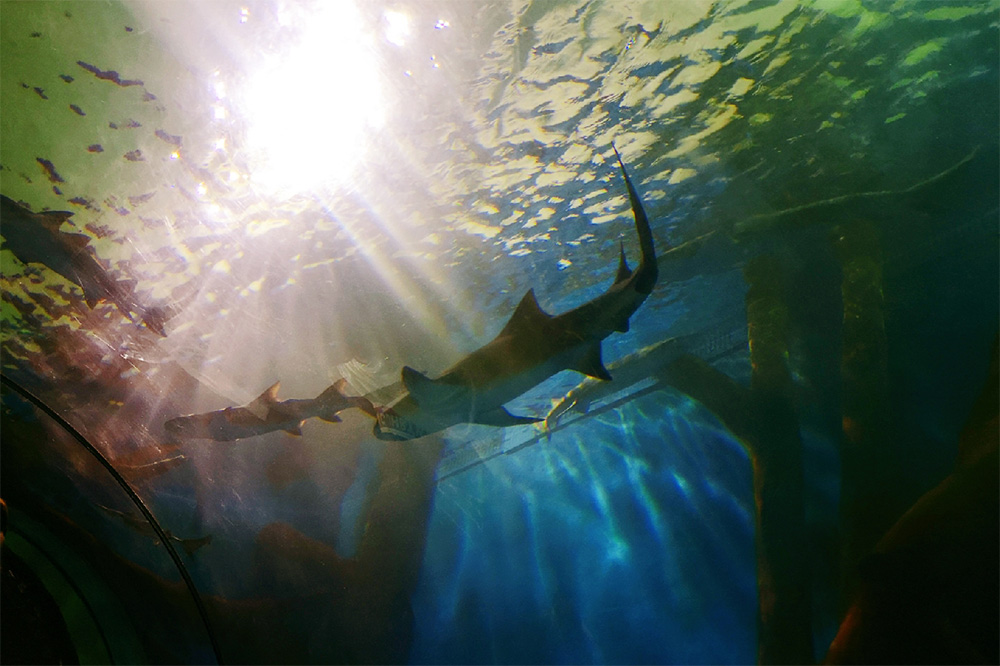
(532, 347)
(266, 414)
(142, 526)
(37, 238)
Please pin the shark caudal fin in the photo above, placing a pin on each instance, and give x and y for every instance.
(647, 272)
(334, 399)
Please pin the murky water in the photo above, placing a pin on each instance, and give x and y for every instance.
(303, 192)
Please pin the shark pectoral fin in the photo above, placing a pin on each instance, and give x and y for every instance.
(419, 385)
(501, 418)
(590, 364)
(623, 327)
(425, 391)
(528, 316)
(330, 418)
(297, 430)
(262, 403)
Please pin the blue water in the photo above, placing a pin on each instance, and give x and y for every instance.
(625, 540)
(317, 191)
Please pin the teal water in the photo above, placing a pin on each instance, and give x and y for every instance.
(313, 191)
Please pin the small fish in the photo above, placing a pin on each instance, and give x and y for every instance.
(267, 414)
(150, 462)
(142, 526)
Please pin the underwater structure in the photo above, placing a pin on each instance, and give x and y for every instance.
(604, 332)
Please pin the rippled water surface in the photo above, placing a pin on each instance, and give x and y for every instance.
(303, 192)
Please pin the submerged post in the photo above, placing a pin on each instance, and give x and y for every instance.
(866, 509)
(392, 549)
(785, 617)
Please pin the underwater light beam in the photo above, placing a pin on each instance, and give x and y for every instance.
(308, 109)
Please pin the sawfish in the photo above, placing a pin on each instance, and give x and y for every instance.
(533, 346)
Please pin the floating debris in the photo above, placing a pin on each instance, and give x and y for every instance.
(41, 92)
(67, 78)
(135, 156)
(95, 148)
(77, 110)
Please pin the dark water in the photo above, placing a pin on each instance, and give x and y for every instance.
(313, 191)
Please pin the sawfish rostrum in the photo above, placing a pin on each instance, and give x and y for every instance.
(532, 347)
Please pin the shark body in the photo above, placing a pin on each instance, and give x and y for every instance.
(266, 414)
(141, 525)
(532, 347)
(37, 238)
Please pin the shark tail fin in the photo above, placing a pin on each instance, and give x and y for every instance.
(648, 270)
(334, 399)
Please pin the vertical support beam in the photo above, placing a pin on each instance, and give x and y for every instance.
(785, 617)
(391, 551)
(865, 508)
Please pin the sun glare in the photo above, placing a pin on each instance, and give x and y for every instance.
(309, 108)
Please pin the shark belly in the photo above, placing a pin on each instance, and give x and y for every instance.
(483, 403)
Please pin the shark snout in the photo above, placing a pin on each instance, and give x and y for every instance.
(180, 427)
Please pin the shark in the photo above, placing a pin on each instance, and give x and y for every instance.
(267, 414)
(37, 238)
(532, 346)
(141, 525)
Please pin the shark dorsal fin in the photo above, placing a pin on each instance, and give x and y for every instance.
(590, 363)
(527, 316)
(53, 220)
(262, 404)
(624, 272)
